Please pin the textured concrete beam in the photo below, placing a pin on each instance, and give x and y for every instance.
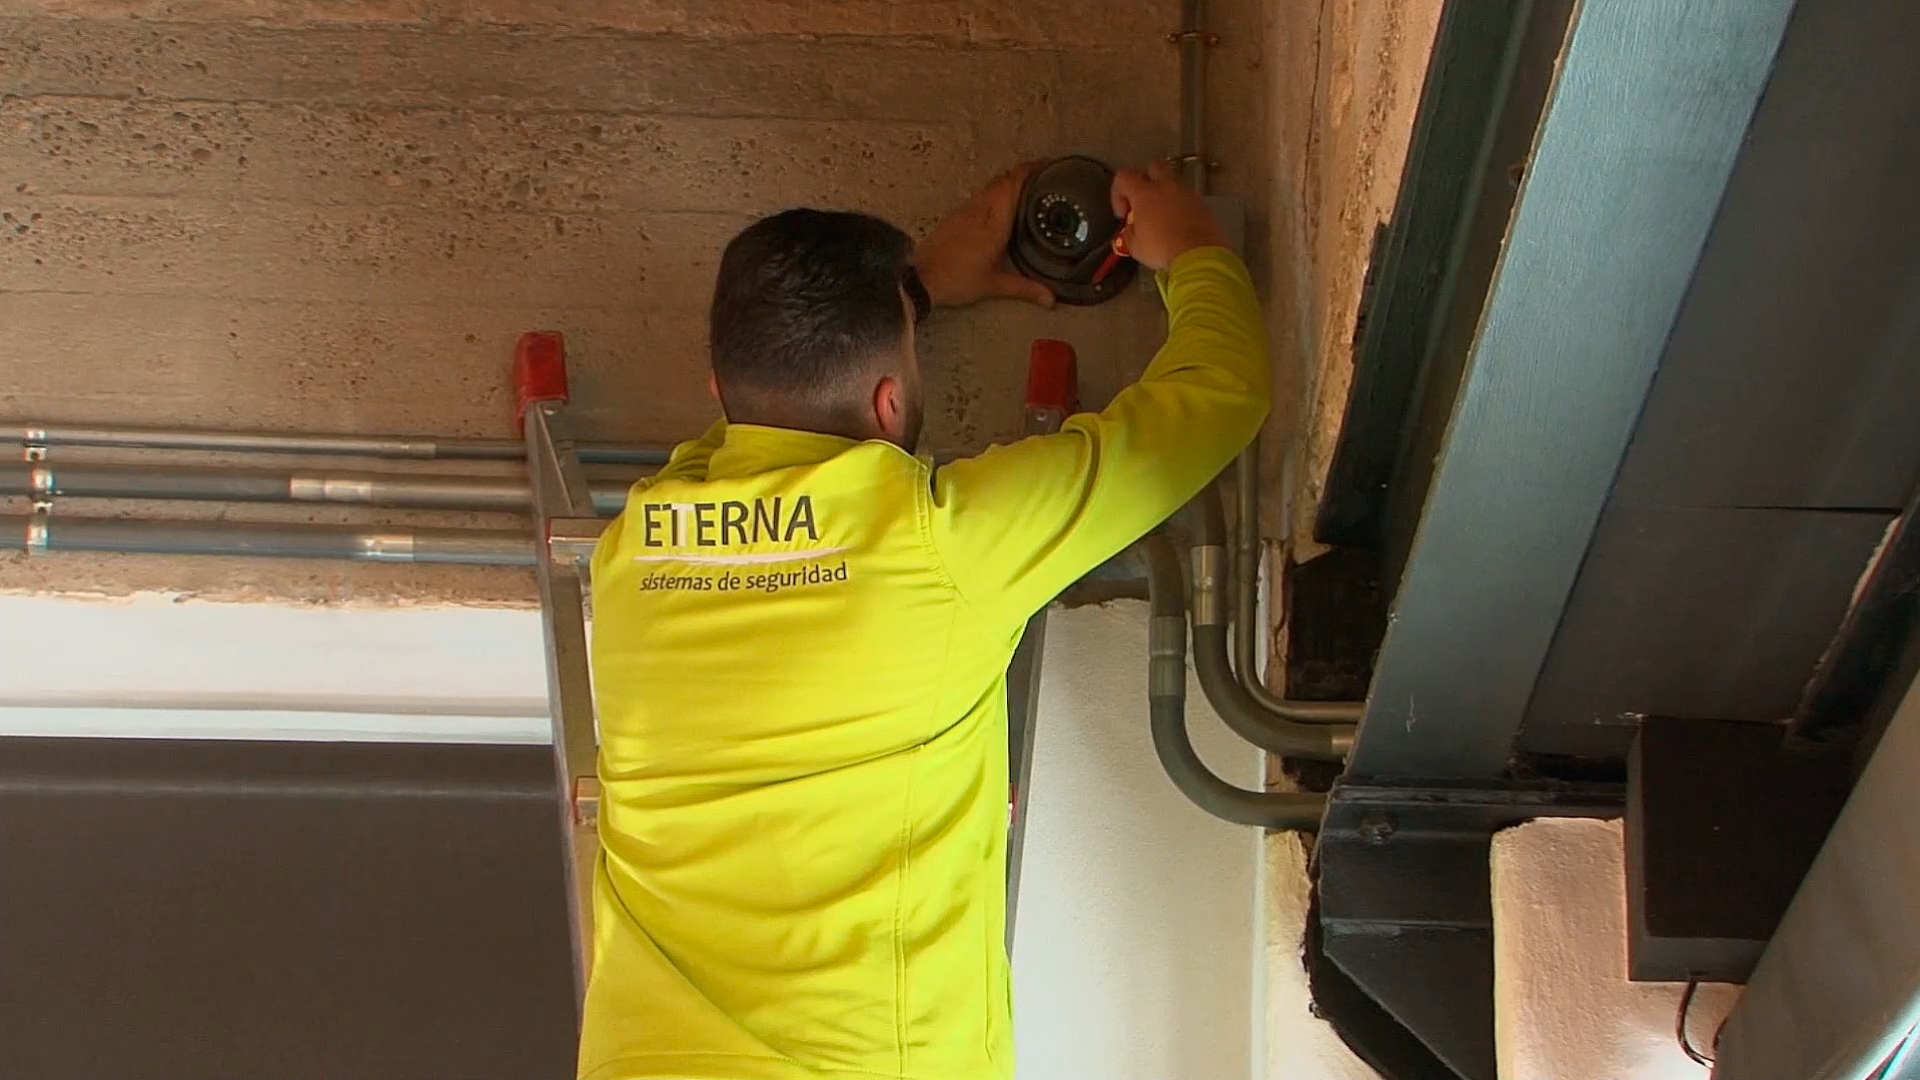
(1079, 24)
(498, 68)
(475, 159)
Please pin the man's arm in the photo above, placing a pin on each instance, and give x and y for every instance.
(1019, 523)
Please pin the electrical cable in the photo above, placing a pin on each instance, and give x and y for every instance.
(1680, 1027)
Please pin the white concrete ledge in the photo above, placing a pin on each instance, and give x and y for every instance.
(1563, 1008)
(95, 722)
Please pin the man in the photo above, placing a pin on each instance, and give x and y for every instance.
(801, 639)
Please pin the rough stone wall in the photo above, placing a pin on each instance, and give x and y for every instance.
(337, 215)
(1345, 78)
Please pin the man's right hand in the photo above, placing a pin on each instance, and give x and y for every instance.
(1169, 219)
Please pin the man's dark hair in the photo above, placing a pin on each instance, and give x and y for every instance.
(805, 300)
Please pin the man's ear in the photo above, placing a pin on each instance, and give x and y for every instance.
(890, 408)
(713, 385)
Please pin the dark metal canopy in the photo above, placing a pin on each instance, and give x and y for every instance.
(1637, 403)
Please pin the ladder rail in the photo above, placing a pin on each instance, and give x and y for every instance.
(1052, 396)
(562, 512)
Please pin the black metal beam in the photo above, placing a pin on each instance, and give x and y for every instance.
(1370, 1031)
(1485, 85)
(1782, 432)
(1405, 913)
(1792, 379)
(1713, 613)
(1633, 155)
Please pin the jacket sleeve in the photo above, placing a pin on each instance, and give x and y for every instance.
(1019, 523)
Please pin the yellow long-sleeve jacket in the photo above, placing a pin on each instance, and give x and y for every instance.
(799, 655)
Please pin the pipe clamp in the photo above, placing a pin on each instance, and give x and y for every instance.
(39, 531)
(1210, 585)
(388, 547)
(1167, 657)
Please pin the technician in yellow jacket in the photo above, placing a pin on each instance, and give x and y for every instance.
(801, 634)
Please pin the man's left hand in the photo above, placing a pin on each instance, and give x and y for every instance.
(964, 259)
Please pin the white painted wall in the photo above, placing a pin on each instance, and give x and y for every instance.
(1134, 942)
(1563, 1007)
(1298, 1046)
(1137, 946)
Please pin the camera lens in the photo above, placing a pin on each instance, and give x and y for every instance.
(1062, 225)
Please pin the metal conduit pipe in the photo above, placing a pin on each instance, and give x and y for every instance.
(46, 480)
(392, 447)
(1195, 167)
(1246, 610)
(1327, 737)
(1194, 42)
(1167, 708)
(40, 533)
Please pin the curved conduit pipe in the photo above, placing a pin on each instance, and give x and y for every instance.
(1167, 708)
(1246, 606)
(1320, 730)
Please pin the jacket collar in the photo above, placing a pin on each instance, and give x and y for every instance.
(751, 448)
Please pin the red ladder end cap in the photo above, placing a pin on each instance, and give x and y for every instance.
(1053, 377)
(539, 370)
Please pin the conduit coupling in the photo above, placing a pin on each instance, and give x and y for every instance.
(1167, 656)
(1209, 585)
(36, 539)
